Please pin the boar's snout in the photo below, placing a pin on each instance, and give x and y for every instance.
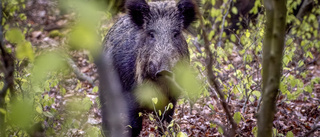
(157, 72)
(164, 73)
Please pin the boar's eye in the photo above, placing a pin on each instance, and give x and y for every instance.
(151, 34)
(176, 34)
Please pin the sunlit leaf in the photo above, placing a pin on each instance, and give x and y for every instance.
(151, 135)
(255, 131)
(220, 130)
(155, 100)
(290, 134)
(247, 33)
(22, 113)
(39, 109)
(48, 114)
(182, 134)
(237, 117)
(145, 94)
(186, 78)
(44, 64)
(233, 38)
(95, 89)
(14, 35)
(3, 111)
(256, 93)
(24, 50)
(234, 10)
(151, 117)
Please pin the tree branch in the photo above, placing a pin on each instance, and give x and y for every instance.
(212, 78)
(81, 76)
(311, 131)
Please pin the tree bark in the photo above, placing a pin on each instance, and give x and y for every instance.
(2, 92)
(8, 69)
(272, 63)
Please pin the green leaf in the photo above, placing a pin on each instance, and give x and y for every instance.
(234, 10)
(151, 135)
(170, 105)
(211, 106)
(39, 109)
(237, 117)
(290, 134)
(255, 131)
(48, 114)
(23, 16)
(211, 34)
(15, 35)
(247, 34)
(251, 99)
(3, 111)
(54, 33)
(44, 64)
(93, 131)
(233, 38)
(151, 117)
(300, 63)
(293, 82)
(24, 50)
(309, 54)
(308, 89)
(186, 77)
(95, 89)
(155, 100)
(182, 134)
(275, 132)
(160, 113)
(83, 37)
(148, 94)
(220, 130)
(256, 93)
(22, 113)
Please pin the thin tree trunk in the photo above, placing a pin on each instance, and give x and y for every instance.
(111, 99)
(272, 63)
(8, 69)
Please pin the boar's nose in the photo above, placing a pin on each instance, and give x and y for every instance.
(157, 72)
(164, 73)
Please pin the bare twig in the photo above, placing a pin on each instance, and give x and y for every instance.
(81, 76)
(222, 24)
(311, 131)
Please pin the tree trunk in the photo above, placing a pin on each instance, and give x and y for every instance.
(272, 63)
(111, 99)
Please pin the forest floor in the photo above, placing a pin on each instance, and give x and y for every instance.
(299, 116)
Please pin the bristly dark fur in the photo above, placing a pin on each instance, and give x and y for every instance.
(138, 10)
(187, 11)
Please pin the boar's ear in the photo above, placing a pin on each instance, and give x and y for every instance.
(137, 10)
(187, 11)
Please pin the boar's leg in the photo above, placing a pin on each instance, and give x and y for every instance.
(169, 113)
(135, 120)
